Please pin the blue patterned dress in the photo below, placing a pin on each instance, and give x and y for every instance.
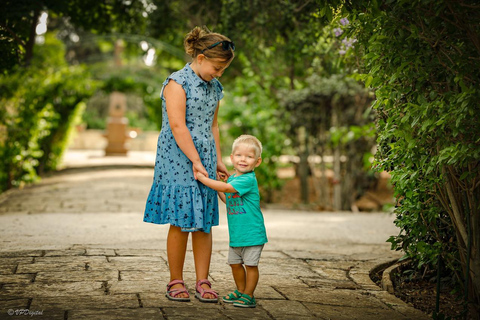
(176, 197)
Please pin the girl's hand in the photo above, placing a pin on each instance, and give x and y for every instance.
(222, 171)
(198, 167)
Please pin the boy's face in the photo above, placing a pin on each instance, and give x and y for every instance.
(244, 159)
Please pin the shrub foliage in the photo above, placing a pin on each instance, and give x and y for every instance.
(423, 59)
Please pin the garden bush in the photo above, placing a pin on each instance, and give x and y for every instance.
(39, 106)
(422, 59)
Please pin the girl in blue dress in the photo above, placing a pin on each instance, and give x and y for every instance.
(189, 143)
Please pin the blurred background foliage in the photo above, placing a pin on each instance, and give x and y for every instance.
(131, 47)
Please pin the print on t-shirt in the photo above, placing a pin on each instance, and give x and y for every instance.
(235, 204)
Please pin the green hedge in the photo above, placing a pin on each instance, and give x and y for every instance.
(39, 106)
(422, 59)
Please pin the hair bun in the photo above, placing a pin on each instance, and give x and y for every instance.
(192, 38)
(195, 35)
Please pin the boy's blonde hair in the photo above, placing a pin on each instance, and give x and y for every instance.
(250, 141)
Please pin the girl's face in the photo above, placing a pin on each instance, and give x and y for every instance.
(210, 68)
(244, 159)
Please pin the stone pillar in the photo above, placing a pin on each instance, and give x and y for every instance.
(117, 125)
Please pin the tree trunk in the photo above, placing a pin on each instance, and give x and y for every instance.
(31, 39)
(349, 180)
(324, 195)
(303, 168)
(463, 212)
(337, 188)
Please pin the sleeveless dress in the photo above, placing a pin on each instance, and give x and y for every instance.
(175, 196)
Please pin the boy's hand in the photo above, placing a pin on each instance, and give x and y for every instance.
(221, 177)
(222, 170)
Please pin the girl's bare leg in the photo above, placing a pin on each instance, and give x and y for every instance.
(176, 250)
(202, 253)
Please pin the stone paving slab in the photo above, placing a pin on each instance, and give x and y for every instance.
(349, 313)
(285, 280)
(330, 283)
(13, 303)
(127, 286)
(333, 274)
(19, 279)
(9, 265)
(348, 298)
(153, 276)
(27, 254)
(60, 264)
(100, 252)
(35, 290)
(116, 314)
(76, 276)
(234, 313)
(285, 309)
(86, 302)
(29, 314)
(141, 252)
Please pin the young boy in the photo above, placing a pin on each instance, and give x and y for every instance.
(245, 220)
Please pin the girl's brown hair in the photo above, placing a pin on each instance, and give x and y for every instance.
(201, 38)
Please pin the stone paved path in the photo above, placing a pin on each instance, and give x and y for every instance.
(74, 247)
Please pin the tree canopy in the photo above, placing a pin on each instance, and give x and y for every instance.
(19, 20)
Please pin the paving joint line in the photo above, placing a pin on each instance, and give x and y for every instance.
(140, 303)
(281, 293)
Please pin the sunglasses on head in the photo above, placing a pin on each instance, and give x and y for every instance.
(226, 45)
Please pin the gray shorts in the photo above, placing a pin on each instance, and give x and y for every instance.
(250, 256)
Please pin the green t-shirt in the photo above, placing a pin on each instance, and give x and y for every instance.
(245, 219)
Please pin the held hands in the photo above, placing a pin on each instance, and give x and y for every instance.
(222, 172)
(200, 176)
(198, 168)
(199, 171)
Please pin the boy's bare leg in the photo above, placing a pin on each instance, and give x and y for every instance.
(252, 280)
(176, 250)
(202, 254)
(239, 275)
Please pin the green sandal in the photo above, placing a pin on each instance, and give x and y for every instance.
(245, 301)
(232, 297)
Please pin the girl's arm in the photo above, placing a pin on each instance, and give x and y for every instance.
(176, 101)
(221, 168)
(215, 184)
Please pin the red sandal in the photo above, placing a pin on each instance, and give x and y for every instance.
(200, 292)
(172, 294)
